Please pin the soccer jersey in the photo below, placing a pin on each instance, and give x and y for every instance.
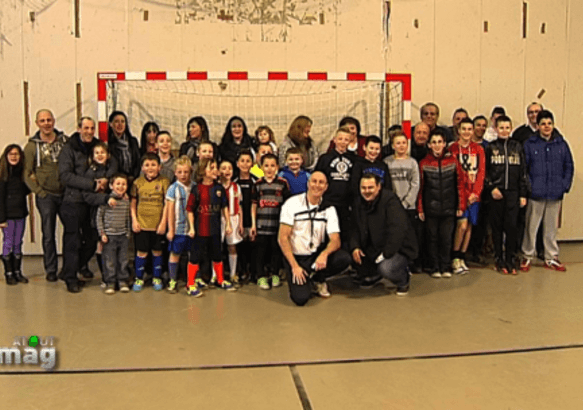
(150, 196)
(271, 196)
(249, 193)
(233, 198)
(207, 202)
(177, 195)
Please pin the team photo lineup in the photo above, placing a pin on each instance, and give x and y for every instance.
(248, 210)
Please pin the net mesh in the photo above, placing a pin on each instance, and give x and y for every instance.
(273, 103)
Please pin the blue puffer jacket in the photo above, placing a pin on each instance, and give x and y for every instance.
(550, 166)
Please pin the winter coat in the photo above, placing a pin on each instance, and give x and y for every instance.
(382, 226)
(549, 165)
(13, 194)
(73, 163)
(442, 190)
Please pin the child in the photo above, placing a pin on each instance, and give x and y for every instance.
(441, 199)
(149, 219)
(388, 149)
(206, 203)
(471, 157)
(113, 226)
(205, 149)
(370, 164)
(249, 208)
(507, 184)
(272, 192)
(101, 166)
(265, 135)
(293, 173)
(263, 149)
(337, 165)
(178, 228)
(13, 212)
(549, 165)
(234, 198)
(404, 172)
(164, 144)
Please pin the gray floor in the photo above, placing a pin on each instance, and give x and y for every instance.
(479, 341)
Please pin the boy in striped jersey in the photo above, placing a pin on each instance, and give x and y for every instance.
(177, 235)
(272, 191)
(113, 225)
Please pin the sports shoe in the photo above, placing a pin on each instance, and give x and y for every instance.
(446, 274)
(436, 275)
(501, 267)
(322, 290)
(86, 273)
(194, 291)
(457, 267)
(138, 285)
(157, 284)
(228, 286)
(525, 265)
(172, 286)
(403, 290)
(275, 281)
(464, 266)
(262, 283)
(201, 284)
(370, 281)
(110, 289)
(123, 287)
(52, 277)
(555, 264)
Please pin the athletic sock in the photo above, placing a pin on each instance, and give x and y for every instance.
(218, 267)
(192, 271)
(157, 263)
(173, 270)
(233, 264)
(140, 267)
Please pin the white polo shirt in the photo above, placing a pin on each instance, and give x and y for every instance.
(310, 224)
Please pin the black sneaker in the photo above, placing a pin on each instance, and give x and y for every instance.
(52, 277)
(403, 290)
(369, 282)
(86, 273)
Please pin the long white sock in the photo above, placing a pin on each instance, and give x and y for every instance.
(233, 264)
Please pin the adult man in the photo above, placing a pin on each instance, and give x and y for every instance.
(382, 242)
(525, 131)
(309, 237)
(429, 113)
(419, 144)
(41, 174)
(457, 117)
(79, 242)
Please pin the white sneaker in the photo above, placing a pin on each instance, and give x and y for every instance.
(446, 274)
(322, 289)
(464, 266)
(457, 266)
(436, 275)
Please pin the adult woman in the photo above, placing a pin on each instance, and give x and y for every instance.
(123, 146)
(235, 138)
(299, 136)
(197, 131)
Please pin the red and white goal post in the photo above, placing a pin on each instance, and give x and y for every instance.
(377, 100)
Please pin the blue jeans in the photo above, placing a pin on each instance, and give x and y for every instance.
(394, 269)
(49, 207)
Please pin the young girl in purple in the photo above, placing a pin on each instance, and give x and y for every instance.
(13, 211)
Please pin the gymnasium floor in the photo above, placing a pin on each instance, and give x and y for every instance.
(479, 341)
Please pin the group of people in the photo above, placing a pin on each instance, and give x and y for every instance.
(375, 211)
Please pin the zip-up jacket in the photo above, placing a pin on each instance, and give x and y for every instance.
(13, 194)
(73, 163)
(297, 183)
(506, 167)
(41, 164)
(382, 226)
(473, 162)
(442, 190)
(549, 165)
(338, 170)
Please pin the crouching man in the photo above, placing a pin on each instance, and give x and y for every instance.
(383, 241)
(309, 237)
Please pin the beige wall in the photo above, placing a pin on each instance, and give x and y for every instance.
(453, 61)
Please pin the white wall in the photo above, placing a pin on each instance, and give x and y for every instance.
(453, 61)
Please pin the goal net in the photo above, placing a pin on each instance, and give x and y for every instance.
(272, 101)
